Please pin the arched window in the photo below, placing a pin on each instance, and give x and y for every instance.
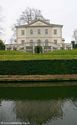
(46, 42)
(55, 41)
(39, 42)
(31, 42)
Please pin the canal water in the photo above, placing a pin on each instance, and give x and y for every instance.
(38, 106)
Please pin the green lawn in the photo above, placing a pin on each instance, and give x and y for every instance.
(59, 54)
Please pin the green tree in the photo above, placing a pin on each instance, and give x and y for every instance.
(2, 45)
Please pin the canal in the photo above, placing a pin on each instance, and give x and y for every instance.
(38, 105)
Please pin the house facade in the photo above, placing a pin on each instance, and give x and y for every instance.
(39, 36)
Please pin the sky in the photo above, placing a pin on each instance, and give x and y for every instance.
(58, 11)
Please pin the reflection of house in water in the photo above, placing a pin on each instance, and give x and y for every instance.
(38, 112)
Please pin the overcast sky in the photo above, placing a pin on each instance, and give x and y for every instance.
(58, 11)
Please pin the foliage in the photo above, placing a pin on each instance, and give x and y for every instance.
(74, 45)
(21, 63)
(2, 46)
(38, 67)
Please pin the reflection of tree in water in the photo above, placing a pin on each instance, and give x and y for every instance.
(38, 112)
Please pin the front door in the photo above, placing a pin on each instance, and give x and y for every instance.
(38, 49)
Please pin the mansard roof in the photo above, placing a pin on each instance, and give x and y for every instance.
(47, 24)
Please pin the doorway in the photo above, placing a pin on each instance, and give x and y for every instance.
(38, 49)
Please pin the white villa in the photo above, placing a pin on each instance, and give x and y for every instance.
(39, 36)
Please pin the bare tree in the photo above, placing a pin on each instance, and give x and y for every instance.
(29, 15)
(75, 35)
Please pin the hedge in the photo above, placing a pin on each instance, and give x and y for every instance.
(38, 67)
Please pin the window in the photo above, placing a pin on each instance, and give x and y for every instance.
(39, 42)
(31, 31)
(46, 31)
(39, 31)
(22, 41)
(46, 42)
(55, 41)
(22, 32)
(55, 31)
(31, 42)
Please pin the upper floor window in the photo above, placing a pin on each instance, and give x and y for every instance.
(31, 31)
(39, 42)
(55, 41)
(46, 31)
(39, 31)
(22, 32)
(55, 31)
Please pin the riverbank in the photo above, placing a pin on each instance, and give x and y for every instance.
(32, 69)
(34, 78)
(38, 80)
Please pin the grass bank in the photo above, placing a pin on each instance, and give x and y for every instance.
(58, 65)
(58, 54)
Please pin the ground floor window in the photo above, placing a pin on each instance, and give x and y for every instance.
(22, 41)
(46, 42)
(31, 42)
(39, 42)
(55, 41)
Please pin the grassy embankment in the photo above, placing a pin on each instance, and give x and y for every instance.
(21, 66)
(60, 54)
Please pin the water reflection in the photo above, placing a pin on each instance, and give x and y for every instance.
(7, 111)
(51, 112)
(38, 112)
